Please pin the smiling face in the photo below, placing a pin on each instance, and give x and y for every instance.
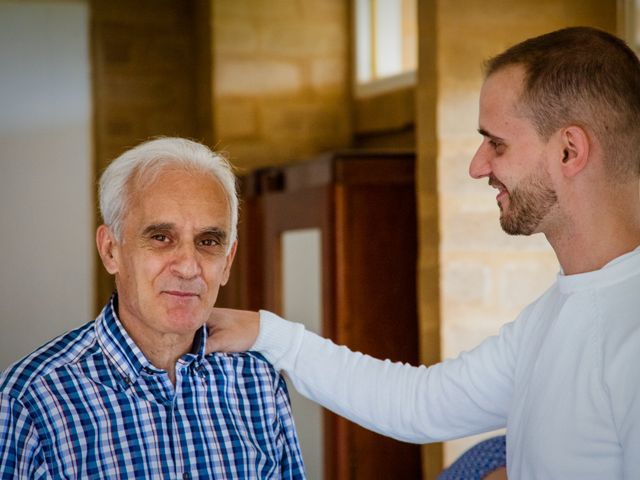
(172, 258)
(513, 156)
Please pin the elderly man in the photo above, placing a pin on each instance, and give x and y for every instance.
(132, 394)
(560, 120)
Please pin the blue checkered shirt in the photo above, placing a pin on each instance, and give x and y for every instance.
(89, 404)
(479, 461)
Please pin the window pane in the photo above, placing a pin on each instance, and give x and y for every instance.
(388, 23)
(386, 39)
(363, 40)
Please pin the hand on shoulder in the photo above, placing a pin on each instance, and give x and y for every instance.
(232, 330)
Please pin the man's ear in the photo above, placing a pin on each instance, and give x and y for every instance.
(229, 261)
(575, 150)
(106, 243)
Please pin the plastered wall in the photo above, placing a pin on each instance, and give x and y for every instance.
(46, 245)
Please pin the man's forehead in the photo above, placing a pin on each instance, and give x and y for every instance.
(179, 198)
(501, 96)
(174, 173)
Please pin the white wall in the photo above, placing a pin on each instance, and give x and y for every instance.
(302, 300)
(46, 239)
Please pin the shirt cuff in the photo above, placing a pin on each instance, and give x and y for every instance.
(278, 340)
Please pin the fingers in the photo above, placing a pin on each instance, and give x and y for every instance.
(232, 330)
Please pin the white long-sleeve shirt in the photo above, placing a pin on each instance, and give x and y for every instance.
(564, 378)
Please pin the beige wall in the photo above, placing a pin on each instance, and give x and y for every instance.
(281, 79)
(486, 277)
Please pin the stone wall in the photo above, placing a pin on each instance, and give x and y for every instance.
(281, 79)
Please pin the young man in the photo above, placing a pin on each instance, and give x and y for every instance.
(132, 394)
(560, 120)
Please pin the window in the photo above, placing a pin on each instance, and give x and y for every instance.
(386, 44)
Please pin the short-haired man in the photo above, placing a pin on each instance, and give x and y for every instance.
(560, 120)
(132, 394)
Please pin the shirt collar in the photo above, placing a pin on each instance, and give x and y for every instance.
(122, 352)
(614, 272)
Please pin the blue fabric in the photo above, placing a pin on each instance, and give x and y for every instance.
(90, 405)
(479, 461)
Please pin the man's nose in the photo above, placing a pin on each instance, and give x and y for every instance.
(479, 166)
(186, 263)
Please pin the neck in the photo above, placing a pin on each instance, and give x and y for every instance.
(162, 349)
(597, 231)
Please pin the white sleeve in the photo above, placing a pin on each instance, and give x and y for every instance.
(459, 397)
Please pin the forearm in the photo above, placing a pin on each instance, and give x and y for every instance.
(415, 404)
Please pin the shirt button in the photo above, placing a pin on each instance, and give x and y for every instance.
(186, 476)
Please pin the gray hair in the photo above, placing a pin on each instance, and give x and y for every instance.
(148, 159)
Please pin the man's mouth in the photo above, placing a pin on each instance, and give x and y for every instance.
(181, 294)
(502, 190)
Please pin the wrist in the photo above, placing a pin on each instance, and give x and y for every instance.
(278, 339)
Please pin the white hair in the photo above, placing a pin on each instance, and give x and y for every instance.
(147, 160)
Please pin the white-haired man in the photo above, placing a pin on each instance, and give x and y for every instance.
(132, 394)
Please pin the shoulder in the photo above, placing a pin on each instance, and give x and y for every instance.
(246, 364)
(248, 358)
(612, 314)
(53, 355)
(259, 359)
(617, 313)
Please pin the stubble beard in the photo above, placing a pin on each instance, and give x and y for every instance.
(529, 204)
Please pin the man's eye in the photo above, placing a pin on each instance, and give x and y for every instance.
(497, 146)
(209, 242)
(160, 237)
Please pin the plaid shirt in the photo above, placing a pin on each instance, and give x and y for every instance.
(90, 405)
(479, 461)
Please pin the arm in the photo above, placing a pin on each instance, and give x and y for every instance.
(20, 452)
(291, 465)
(459, 397)
(463, 396)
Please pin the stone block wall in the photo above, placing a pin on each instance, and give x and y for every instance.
(281, 79)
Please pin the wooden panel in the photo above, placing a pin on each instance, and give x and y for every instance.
(376, 303)
(364, 203)
(246, 281)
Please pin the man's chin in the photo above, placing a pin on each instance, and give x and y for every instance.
(514, 228)
(186, 320)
